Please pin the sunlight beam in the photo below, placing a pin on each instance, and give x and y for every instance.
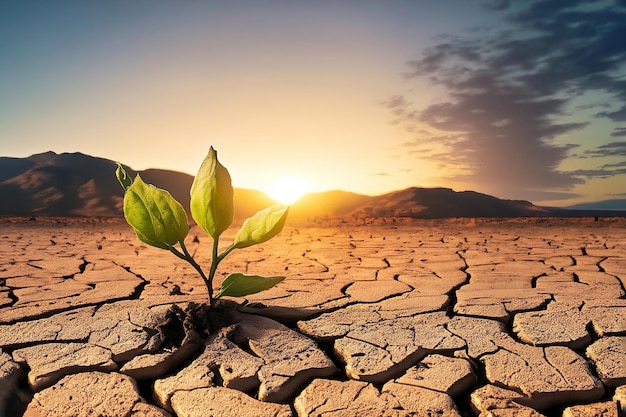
(287, 190)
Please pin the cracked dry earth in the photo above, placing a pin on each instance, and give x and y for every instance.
(463, 317)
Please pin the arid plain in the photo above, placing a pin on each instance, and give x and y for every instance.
(458, 317)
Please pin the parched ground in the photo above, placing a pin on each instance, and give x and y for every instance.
(519, 317)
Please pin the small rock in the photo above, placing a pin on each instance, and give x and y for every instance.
(49, 362)
(373, 291)
(548, 376)
(609, 357)
(411, 302)
(607, 316)
(367, 362)
(148, 410)
(132, 327)
(196, 375)
(224, 402)
(605, 409)
(237, 369)
(177, 328)
(154, 365)
(349, 398)
(290, 359)
(481, 335)
(566, 327)
(124, 339)
(90, 394)
(421, 401)
(441, 373)
(491, 400)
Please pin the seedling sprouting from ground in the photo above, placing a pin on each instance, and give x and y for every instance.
(161, 221)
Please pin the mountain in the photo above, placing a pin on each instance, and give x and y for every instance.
(60, 185)
(423, 203)
(75, 184)
(326, 205)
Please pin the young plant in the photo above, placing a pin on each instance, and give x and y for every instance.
(161, 221)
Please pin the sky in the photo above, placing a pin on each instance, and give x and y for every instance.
(520, 100)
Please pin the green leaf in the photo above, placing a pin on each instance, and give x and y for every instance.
(212, 197)
(123, 177)
(261, 227)
(157, 218)
(239, 285)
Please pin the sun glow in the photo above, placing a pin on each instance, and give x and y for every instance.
(287, 190)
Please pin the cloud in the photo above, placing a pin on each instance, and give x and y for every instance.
(511, 90)
(620, 131)
(616, 165)
(498, 4)
(610, 149)
(599, 172)
(550, 195)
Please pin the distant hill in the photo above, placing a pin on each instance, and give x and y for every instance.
(59, 185)
(422, 203)
(327, 204)
(75, 184)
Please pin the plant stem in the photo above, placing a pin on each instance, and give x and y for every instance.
(187, 257)
(226, 252)
(215, 260)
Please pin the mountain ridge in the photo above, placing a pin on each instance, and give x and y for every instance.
(76, 184)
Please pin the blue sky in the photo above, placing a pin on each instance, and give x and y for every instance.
(522, 102)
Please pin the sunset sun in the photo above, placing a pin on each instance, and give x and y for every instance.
(287, 190)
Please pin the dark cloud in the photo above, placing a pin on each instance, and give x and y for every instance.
(497, 4)
(620, 131)
(509, 89)
(616, 165)
(610, 149)
(599, 172)
(618, 115)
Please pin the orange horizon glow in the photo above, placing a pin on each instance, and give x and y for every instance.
(287, 189)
